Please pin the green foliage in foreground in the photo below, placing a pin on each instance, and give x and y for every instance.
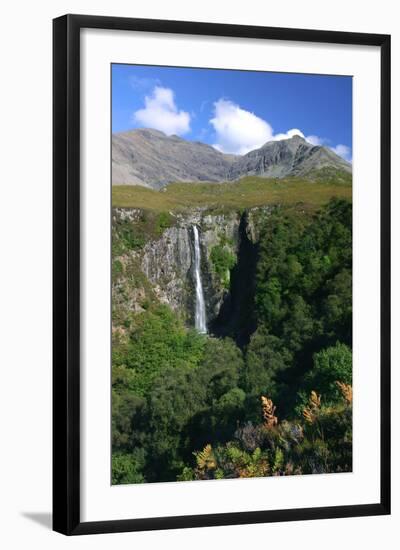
(320, 442)
(187, 406)
(329, 365)
(126, 466)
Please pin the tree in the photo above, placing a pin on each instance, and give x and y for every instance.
(266, 359)
(158, 341)
(331, 365)
(127, 468)
(337, 307)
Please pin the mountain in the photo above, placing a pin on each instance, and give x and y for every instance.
(150, 158)
(288, 157)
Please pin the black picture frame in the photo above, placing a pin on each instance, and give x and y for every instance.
(66, 273)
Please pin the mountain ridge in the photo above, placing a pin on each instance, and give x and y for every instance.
(150, 158)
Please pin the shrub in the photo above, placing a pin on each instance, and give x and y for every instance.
(223, 261)
(126, 468)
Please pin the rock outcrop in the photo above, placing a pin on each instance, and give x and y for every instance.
(162, 270)
(152, 159)
(168, 262)
(288, 157)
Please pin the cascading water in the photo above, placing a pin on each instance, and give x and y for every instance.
(200, 308)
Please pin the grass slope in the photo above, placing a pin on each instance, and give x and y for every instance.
(246, 193)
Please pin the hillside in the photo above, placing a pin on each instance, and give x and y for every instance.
(247, 193)
(151, 159)
(288, 157)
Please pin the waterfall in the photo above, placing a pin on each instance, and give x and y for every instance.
(200, 311)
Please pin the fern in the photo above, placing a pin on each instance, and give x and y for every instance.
(314, 404)
(205, 459)
(346, 391)
(268, 408)
(278, 461)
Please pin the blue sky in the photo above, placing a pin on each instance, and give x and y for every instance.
(235, 111)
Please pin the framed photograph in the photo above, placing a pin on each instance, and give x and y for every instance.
(221, 274)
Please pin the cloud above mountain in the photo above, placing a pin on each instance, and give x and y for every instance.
(343, 151)
(314, 140)
(161, 113)
(239, 131)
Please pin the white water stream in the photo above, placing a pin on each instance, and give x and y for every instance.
(200, 311)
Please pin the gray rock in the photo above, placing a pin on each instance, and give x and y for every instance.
(168, 261)
(164, 268)
(288, 157)
(152, 159)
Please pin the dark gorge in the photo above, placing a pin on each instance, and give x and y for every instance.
(237, 318)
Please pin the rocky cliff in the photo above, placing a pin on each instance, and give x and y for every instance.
(161, 266)
(288, 157)
(150, 158)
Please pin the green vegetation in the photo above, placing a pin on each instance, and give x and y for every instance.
(125, 238)
(318, 441)
(128, 237)
(223, 261)
(246, 193)
(162, 222)
(331, 175)
(329, 365)
(158, 341)
(191, 406)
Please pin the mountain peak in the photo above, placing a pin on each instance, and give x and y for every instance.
(297, 137)
(149, 157)
(293, 156)
(293, 141)
(149, 132)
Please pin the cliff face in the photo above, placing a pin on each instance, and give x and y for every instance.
(150, 158)
(161, 268)
(168, 262)
(288, 157)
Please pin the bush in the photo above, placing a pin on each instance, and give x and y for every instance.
(223, 261)
(330, 365)
(320, 442)
(163, 221)
(126, 468)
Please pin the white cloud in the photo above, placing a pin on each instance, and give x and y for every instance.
(343, 151)
(238, 131)
(289, 134)
(161, 113)
(314, 140)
